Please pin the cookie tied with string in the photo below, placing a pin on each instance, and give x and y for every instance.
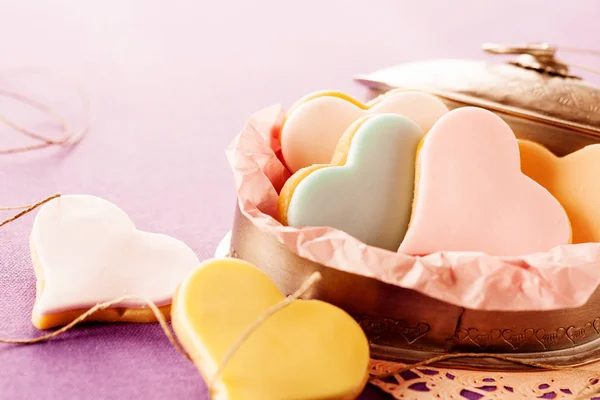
(308, 350)
(87, 251)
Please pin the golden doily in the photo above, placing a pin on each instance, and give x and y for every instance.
(440, 383)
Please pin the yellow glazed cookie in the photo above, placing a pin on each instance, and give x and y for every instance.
(307, 350)
(575, 182)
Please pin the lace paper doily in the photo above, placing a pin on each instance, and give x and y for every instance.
(440, 383)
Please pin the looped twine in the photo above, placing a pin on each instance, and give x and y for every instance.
(306, 286)
(99, 307)
(26, 209)
(70, 135)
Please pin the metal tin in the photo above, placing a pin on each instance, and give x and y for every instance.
(542, 101)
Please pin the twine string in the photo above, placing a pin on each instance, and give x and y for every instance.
(585, 68)
(307, 285)
(581, 395)
(26, 209)
(12, 208)
(103, 306)
(579, 50)
(39, 106)
(70, 135)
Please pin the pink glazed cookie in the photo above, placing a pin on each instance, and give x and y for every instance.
(314, 125)
(470, 194)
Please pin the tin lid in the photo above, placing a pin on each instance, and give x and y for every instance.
(535, 86)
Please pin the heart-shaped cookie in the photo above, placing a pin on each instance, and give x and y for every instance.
(307, 350)
(314, 125)
(470, 194)
(573, 180)
(368, 190)
(87, 251)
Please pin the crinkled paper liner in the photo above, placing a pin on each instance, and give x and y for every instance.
(564, 277)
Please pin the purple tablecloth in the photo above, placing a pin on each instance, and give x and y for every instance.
(170, 84)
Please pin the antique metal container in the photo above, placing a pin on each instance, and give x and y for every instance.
(543, 101)
(536, 94)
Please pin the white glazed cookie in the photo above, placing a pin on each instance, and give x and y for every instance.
(87, 251)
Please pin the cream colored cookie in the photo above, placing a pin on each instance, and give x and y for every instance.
(313, 126)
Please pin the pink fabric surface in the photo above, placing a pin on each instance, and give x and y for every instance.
(170, 85)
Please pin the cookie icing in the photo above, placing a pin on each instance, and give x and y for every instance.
(370, 195)
(573, 180)
(88, 251)
(286, 357)
(314, 126)
(472, 196)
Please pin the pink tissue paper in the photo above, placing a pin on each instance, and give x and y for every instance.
(564, 277)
